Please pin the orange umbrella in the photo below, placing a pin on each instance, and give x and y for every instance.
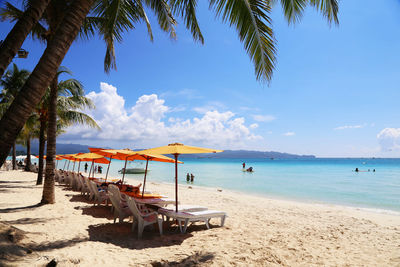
(112, 154)
(93, 157)
(176, 149)
(132, 155)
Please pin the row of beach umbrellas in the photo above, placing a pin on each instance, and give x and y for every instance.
(99, 155)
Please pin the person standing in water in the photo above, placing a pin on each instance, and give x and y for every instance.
(244, 165)
(191, 177)
(86, 165)
(187, 177)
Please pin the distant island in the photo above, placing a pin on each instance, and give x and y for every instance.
(229, 154)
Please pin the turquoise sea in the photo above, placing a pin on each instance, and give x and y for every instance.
(320, 180)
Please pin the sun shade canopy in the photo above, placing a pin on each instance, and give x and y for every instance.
(178, 148)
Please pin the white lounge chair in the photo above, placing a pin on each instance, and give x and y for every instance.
(89, 186)
(100, 195)
(143, 217)
(193, 216)
(120, 210)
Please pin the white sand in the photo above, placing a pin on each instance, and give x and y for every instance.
(258, 232)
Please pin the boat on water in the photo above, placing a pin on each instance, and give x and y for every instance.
(133, 170)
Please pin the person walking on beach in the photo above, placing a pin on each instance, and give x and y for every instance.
(191, 177)
(187, 177)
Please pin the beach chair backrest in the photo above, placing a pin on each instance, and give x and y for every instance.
(115, 201)
(132, 206)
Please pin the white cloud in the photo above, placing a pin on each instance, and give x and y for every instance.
(263, 118)
(350, 127)
(146, 123)
(389, 139)
(289, 134)
(253, 126)
(215, 105)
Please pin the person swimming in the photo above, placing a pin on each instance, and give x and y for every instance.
(250, 169)
(356, 170)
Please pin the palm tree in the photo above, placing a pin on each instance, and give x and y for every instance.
(12, 83)
(70, 99)
(250, 17)
(15, 38)
(25, 136)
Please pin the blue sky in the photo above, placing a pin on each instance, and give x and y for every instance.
(334, 91)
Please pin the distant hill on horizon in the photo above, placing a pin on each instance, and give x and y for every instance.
(78, 148)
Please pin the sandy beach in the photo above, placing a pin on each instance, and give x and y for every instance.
(258, 232)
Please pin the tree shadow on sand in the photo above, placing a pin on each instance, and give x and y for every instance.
(196, 259)
(8, 210)
(14, 244)
(120, 234)
(24, 221)
(17, 182)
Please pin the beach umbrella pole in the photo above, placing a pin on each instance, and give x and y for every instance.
(68, 164)
(145, 174)
(73, 169)
(108, 168)
(123, 175)
(79, 166)
(56, 163)
(65, 163)
(91, 166)
(176, 182)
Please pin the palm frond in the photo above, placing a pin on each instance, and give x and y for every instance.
(164, 16)
(250, 17)
(117, 17)
(75, 117)
(187, 9)
(329, 8)
(293, 9)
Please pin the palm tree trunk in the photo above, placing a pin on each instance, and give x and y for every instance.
(21, 29)
(42, 142)
(48, 196)
(14, 157)
(34, 88)
(28, 154)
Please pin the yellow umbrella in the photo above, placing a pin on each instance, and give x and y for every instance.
(176, 149)
(132, 155)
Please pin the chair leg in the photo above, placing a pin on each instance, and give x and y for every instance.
(160, 222)
(134, 225)
(140, 229)
(223, 220)
(206, 221)
(186, 225)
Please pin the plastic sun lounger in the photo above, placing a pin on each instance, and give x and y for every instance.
(193, 216)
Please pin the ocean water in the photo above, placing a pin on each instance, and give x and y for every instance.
(312, 180)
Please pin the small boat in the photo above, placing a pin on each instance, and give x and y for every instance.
(133, 170)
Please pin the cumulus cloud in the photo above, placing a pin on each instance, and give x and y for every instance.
(146, 123)
(253, 126)
(389, 139)
(349, 127)
(289, 134)
(263, 118)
